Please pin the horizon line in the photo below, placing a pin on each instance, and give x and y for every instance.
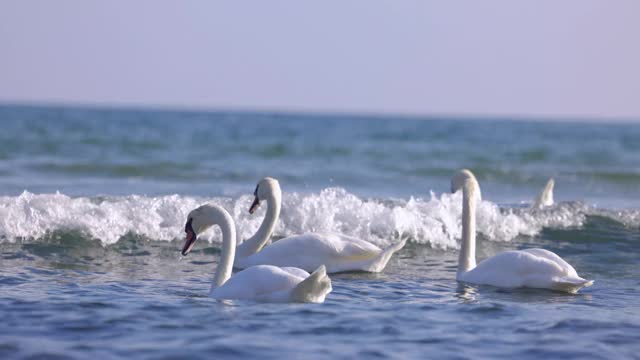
(290, 112)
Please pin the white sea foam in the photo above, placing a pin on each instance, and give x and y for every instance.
(435, 220)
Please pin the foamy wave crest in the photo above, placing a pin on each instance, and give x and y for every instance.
(30, 216)
(435, 220)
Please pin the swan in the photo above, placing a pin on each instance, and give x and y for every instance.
(266, 283)
(533, 268)
(337, 252)
(545, 198)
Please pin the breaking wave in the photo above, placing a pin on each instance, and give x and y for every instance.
(435, 220)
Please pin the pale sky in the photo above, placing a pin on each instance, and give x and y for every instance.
(549, 58)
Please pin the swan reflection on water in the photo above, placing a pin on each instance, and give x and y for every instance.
(466, 293)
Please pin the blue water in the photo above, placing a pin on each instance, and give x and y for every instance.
(93, 203)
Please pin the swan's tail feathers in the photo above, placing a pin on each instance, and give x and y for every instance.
(380, 262)
(571, 284)
(314, 288)
(545, 198)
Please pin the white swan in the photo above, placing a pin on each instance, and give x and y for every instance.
(337, 252)
(545, 198)
(260, 283)
(533, 268)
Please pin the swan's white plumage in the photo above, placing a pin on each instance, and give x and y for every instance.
(259, 283)
(534, 268)
(265, 283)
(307, 251)
(337, 252)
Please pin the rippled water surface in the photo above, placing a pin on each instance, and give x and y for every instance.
(93, 203)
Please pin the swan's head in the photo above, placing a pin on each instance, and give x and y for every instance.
(267, 189)
(470, 189)
(198, 221)
(460, 178)
(457, 181)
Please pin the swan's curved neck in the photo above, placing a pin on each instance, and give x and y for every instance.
(225, 267)
(262, 236)
(467, 258)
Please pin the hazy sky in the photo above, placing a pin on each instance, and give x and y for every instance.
(536, 58)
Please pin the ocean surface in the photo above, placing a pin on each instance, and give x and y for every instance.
(93, 205)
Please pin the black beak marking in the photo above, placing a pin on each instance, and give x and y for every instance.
(190, 239)
(256, 201)
(254, 205)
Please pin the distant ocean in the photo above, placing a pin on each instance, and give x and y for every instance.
(93, 204)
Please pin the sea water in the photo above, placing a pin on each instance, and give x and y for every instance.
(93, 204)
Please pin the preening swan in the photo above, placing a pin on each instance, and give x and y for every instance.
(307, 251)
(261, 283)
(533, 268)
(545, 198)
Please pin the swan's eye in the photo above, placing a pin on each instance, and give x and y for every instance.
(255, 193)
(187, 227)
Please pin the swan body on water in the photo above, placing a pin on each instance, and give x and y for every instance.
(307, 251)
(266, 283)
(533, 268)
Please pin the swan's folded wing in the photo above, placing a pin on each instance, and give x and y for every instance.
(314, 288)
(309, 251)
(551, 256)
(349, 247)
(356, 254)
(513, 269)
(322, 245)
